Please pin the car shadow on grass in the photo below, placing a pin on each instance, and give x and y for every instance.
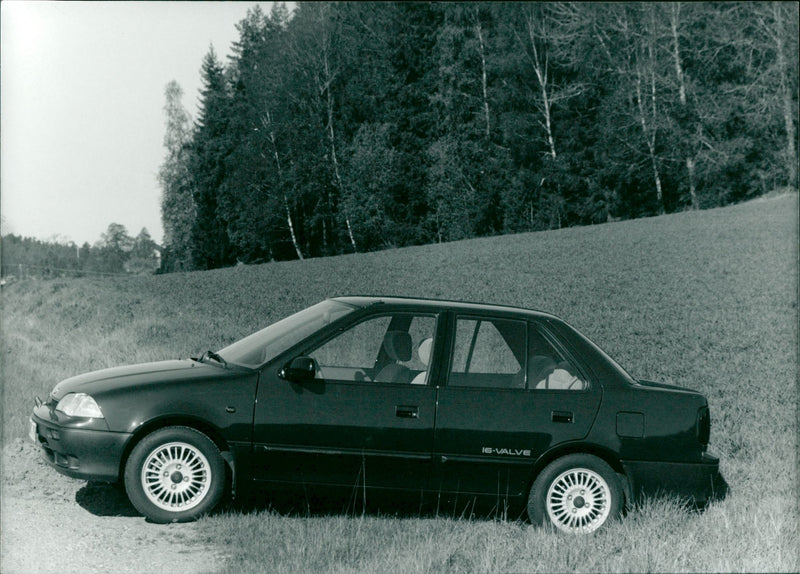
(105, 499)
(109, 500)
(341, 502)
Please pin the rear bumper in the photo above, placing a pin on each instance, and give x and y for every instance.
(87, 454)
(698, 482)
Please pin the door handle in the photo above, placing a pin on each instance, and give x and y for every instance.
(561, 416)
(406, 412)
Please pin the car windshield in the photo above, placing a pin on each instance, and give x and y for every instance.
(270, 342)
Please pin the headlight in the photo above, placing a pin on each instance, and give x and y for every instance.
(79, 405)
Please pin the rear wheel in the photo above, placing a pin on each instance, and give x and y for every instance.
(175, 474)
(577, 493)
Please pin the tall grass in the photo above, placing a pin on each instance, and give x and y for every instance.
(659, 536)
(706, 300)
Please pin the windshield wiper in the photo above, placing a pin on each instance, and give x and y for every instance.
(215, 356)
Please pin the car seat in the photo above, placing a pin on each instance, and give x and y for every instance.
(564, 377)
(424, 353)
(397, 345)
(539, 368)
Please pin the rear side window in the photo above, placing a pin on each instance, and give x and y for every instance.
(489, 353)
(549, 368)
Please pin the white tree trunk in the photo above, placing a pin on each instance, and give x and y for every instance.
(786, 93)
(650, 139)
(332, 141)
(541, 70)
(690, 162)
(483, 74)
(267, 123)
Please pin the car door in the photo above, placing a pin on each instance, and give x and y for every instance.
(365, 419)
(495, 416)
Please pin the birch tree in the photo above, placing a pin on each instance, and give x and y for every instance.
(751, 145)
(271, 82)
(267, 123)
(680, 77)
(316, 56)
(782, 30)
(482, 49)
(539, 31)
(627, 35)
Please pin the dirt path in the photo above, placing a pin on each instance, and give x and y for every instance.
(53, 524)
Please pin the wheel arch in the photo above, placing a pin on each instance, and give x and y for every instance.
(200, 425)
(601, 452)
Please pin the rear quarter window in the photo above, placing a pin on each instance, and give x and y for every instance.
(549, 368)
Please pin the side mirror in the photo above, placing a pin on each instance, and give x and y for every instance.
(299, 370)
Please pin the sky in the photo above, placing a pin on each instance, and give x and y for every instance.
(81, 117)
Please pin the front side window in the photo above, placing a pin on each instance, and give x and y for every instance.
(382, 349)
(489, 353)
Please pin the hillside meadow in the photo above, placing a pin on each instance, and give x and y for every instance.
(706, 300)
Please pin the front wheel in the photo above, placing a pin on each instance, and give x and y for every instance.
(577, 493)
(175, 474)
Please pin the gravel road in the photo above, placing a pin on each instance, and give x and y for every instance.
(53, 524)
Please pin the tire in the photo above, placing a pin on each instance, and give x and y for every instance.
(577, 493)
(175, 474)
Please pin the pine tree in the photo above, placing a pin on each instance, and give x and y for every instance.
(210, 147)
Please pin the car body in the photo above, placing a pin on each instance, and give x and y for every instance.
(388, 393)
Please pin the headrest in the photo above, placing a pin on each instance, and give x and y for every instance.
(424, 351)
(539, 367)
(398, 345)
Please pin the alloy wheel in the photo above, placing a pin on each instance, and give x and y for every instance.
(578, 501)
(175, 476)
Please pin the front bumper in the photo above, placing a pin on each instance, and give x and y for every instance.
(698, 482)
(77, 447)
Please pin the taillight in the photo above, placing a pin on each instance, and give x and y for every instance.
(703, 425)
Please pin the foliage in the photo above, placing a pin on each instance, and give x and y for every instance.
(355, 126)
(211, 145)
(116, 253)
(178, 210)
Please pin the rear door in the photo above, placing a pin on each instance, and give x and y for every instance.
(367, 418)
(511, 392)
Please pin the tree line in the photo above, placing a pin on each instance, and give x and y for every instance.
(115, 253)
(351, 126)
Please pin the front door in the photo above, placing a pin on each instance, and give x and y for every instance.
(365, 420)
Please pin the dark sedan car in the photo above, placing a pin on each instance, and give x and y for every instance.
(388, 393)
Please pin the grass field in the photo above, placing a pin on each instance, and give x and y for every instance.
(706, 300)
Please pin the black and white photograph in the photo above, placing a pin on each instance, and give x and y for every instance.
(414, 287)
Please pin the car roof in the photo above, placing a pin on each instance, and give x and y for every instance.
(440, 304)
